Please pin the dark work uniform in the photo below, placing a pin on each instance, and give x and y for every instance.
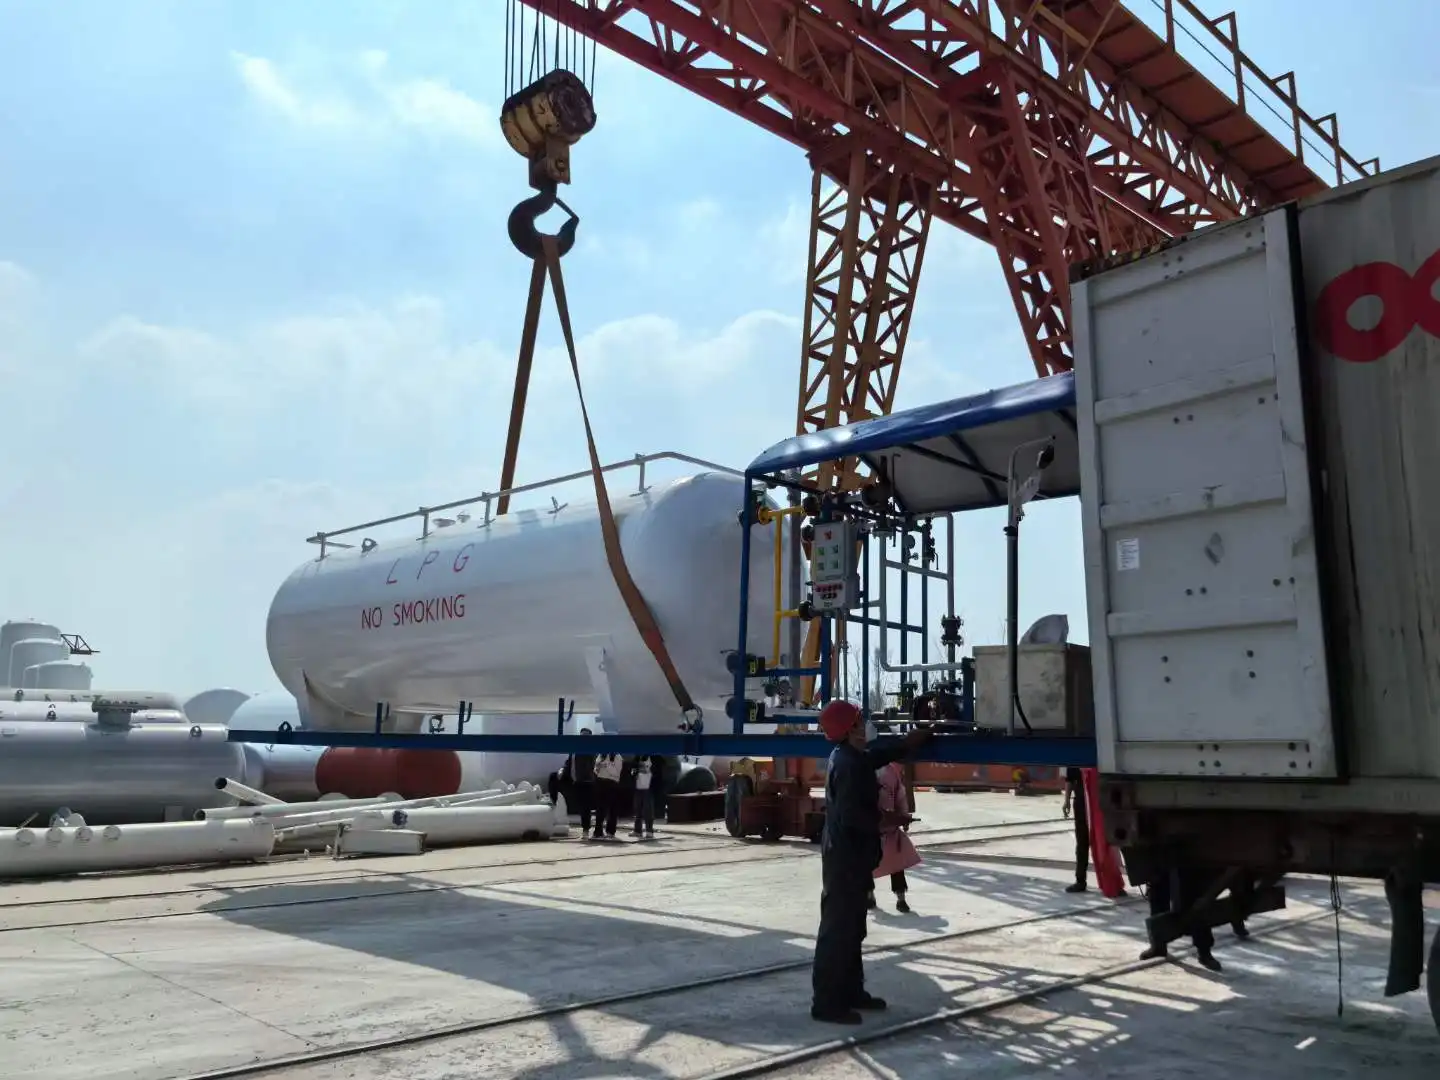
(849, 853)
(582, 775)
(1163, 895)
(1080, 811)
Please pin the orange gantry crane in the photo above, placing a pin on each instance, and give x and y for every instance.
(1055, 130)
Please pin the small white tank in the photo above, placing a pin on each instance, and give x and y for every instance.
(215, 706)
(29, 652)
(67, 675)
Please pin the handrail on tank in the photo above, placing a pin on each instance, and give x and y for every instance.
(487, 498)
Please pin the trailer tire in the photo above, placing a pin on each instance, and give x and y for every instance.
(1432, 980)
(737, 789)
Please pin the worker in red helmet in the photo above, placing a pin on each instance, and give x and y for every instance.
(850, 851)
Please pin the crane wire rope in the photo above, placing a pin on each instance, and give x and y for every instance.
(525, 46)
(542, 119)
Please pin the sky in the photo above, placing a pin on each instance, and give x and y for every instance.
(255, 283)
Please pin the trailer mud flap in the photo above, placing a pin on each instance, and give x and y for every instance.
(1404, 894)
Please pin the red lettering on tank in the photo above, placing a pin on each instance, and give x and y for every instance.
(462, 558)
(390, 577)
(428, 610)
(372, 618)
(430, 556)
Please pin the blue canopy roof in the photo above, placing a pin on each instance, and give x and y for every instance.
(951, 455)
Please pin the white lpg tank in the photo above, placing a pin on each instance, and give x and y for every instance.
(513, 615)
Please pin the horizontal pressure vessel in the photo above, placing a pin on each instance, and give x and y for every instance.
(286, 772)
(82, 712)
(111, 774)
(513, 615)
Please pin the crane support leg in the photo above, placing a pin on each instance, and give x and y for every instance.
(868, 228)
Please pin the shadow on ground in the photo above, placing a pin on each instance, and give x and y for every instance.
(550, 947)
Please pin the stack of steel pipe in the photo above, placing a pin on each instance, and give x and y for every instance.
(389, 825)
(261, 826)
(80, 848)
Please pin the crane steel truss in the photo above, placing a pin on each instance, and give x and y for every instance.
(1055, 130)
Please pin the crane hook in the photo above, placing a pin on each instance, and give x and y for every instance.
(526, 235)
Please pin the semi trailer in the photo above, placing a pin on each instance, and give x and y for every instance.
(1258, 416)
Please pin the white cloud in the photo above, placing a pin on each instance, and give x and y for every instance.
(376, 101)
(352, 361)
(646, 348)
(273, 90)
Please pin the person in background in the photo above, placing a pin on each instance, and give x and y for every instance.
(645, 779)
(897, 852)
(1076, 808)
(609, 769)
(657, 787)
(849, 852)
(578, 773)
(1162, 891)
(1191, 883)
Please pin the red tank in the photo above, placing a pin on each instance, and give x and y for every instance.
(363, 773)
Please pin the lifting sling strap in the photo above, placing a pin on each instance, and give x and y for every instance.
(549, 263)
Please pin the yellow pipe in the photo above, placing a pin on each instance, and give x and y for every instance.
(779, 554)
(767, 515)
(780, 616)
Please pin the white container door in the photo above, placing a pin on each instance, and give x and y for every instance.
(1201, 570)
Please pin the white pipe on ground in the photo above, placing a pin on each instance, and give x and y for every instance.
(245, 794)
(345, 813)
(476, 824)
(78, 849)
(284, 809)
(287, 833)
(304, 813)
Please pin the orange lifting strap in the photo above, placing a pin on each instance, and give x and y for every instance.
(549, 261)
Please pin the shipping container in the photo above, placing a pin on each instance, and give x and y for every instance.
(1258, 408)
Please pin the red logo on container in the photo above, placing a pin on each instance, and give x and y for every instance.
(1408, 301)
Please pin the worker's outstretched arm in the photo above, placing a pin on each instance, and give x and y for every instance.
(880, 756)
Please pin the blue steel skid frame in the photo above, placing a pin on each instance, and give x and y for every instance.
(938, 458)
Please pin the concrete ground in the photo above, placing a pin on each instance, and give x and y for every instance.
(161, 976)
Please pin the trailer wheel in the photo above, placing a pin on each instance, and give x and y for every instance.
(1432, 980)
(737, 789)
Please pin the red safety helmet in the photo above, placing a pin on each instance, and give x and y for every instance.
(838, 719)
